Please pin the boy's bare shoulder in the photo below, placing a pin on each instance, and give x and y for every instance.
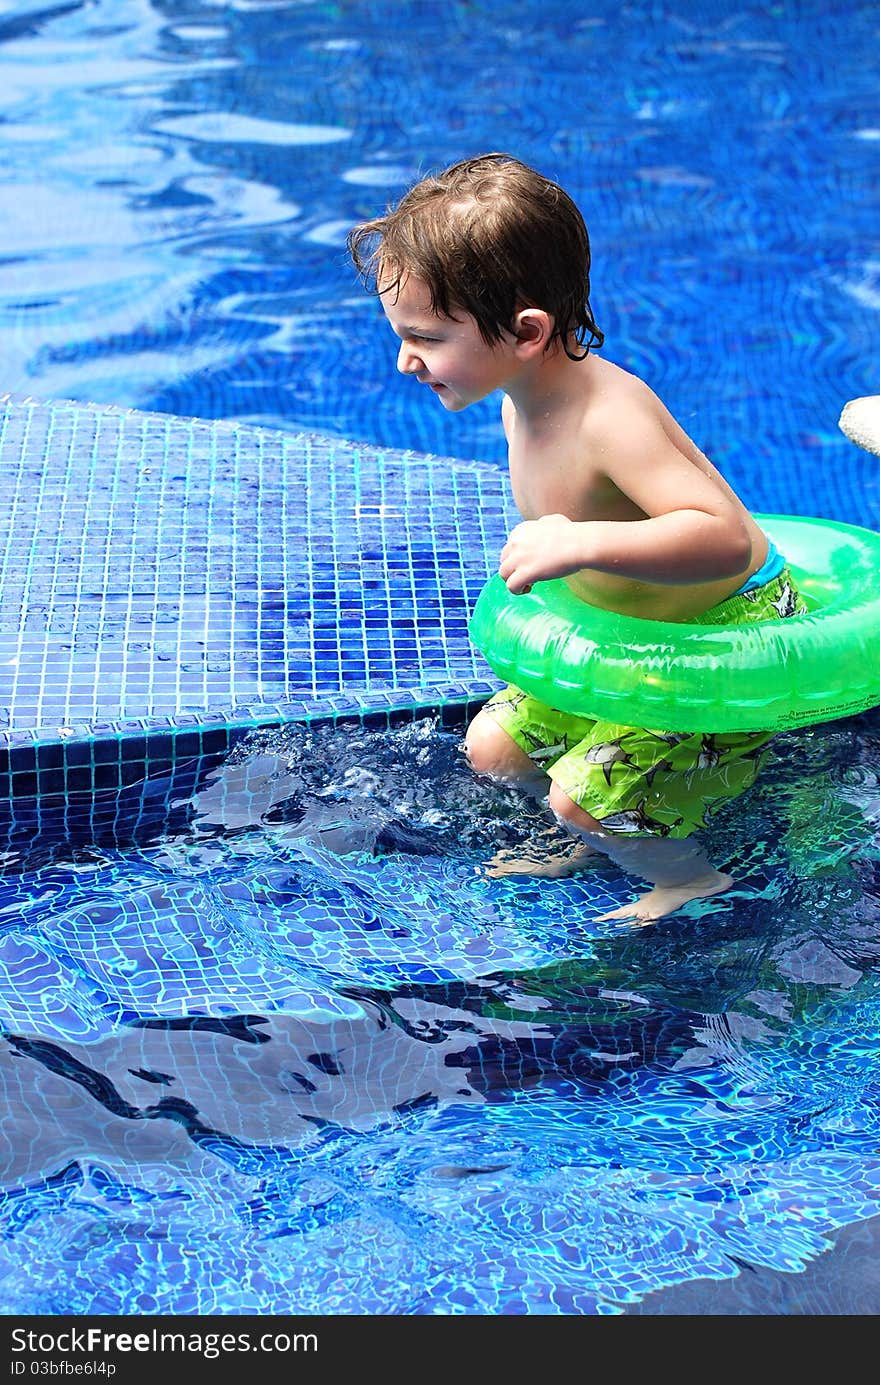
(612, 385)
(631, 438)
(623, 408)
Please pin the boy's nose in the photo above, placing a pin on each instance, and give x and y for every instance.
(408, 361)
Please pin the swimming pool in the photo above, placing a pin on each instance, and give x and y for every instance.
(285, 1049)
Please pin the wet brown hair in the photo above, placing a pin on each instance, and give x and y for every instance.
(488, 235)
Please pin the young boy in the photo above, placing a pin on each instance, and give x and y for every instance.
(483, 272)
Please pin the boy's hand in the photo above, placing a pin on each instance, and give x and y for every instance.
(539, 549)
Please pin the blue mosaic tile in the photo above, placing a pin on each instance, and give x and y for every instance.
(161, 573)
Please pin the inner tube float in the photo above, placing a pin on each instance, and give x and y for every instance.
(767, 676)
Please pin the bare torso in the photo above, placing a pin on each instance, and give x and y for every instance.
(560, 470)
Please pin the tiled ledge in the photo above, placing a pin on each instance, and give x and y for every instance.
(178, 578)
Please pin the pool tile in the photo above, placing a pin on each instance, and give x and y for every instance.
(199, 595)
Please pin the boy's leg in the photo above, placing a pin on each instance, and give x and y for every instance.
(657, 801)
(496, 744)
(677, 867)
(640, 797)
(546, 857)
(492, 750)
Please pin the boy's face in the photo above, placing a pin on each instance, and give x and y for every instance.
(447, 354)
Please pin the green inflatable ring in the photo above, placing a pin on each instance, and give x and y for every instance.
(772, 675)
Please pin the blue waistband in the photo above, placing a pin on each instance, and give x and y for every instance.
(770, 568)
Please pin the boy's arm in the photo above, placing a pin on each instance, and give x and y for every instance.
(693, 530)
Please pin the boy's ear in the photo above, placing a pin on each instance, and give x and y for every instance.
(532, 328)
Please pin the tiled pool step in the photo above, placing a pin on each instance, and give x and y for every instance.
(166, 577)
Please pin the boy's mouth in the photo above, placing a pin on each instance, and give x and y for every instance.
(434, 385)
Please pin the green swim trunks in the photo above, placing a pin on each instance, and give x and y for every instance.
(648, 781)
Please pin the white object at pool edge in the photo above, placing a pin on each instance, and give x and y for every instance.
(860, 420)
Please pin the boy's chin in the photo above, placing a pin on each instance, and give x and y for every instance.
(451, 402)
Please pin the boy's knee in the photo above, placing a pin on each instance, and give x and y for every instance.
(569, 813)
(488, 748)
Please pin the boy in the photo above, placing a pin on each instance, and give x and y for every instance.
(483, 273)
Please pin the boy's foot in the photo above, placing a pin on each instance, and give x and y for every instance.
(539, 863)
(665, 899)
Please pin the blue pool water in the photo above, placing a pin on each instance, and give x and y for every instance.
(278, 1046)
(271, 1041)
